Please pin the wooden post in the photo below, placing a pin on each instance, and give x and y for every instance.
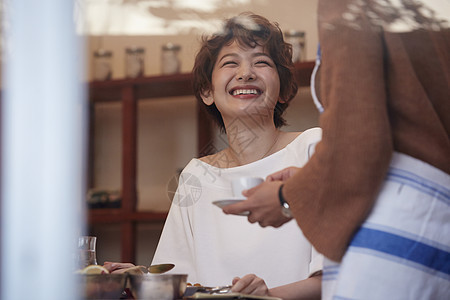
(129, 157)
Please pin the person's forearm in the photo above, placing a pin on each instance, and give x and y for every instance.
(334, 192)
(309, 288)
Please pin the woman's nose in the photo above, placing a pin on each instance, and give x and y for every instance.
(245, 73)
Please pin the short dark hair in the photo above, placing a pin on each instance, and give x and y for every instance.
(250, 30)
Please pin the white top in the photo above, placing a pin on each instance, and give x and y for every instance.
(213, 248)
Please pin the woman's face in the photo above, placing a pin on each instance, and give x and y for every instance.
(245, 83)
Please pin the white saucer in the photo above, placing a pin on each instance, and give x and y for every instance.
(228, 201)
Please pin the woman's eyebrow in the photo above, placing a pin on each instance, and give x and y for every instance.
(228, 55)
(236, 55)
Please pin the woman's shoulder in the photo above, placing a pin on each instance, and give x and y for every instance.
(209, 159)
(305, 143)
(219, 160)
(192, 166)
(311, 135)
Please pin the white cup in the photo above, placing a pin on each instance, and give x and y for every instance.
(244, 183)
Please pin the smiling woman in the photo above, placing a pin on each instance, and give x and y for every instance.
(246, 47)
(243, 78)
(167, 137)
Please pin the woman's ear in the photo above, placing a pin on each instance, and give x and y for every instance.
(281, 100)
(207, 97)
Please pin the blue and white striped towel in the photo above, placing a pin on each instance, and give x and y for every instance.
(402, 251)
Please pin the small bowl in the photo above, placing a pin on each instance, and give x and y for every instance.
(102, 286)
(158, 286)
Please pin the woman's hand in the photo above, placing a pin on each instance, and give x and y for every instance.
(282, 175)
(263, 205)
(115, 267)
(251, 285)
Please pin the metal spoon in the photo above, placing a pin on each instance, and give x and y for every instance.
(161, 268)
(219, 289)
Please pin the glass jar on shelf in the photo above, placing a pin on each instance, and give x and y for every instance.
(170, 62)
(102, 64)
(134, 62)
(297, 39)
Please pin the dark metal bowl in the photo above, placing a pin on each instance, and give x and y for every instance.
(102, 286)
(158, 286)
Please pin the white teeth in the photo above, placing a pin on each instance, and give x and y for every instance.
(245, 92)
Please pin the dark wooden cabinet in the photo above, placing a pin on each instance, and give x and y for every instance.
(128, 91)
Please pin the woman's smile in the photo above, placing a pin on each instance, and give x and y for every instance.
(245, 91)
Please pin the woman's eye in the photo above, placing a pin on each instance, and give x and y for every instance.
(263, 62)
(229, 63)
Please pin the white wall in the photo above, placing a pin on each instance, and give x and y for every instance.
(289, 14)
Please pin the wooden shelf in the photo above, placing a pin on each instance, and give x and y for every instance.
(146, 87)
(167, 86)
(128, 92)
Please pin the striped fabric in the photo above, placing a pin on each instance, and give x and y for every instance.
(402, 251)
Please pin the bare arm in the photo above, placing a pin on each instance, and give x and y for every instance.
(333, 193)
(309, 288)
(251, 284)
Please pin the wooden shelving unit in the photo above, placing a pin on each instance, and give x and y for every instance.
(128, 91)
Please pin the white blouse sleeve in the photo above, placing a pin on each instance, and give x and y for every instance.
(176, 242)
(316, 263)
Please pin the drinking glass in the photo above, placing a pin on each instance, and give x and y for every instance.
(86, 251)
